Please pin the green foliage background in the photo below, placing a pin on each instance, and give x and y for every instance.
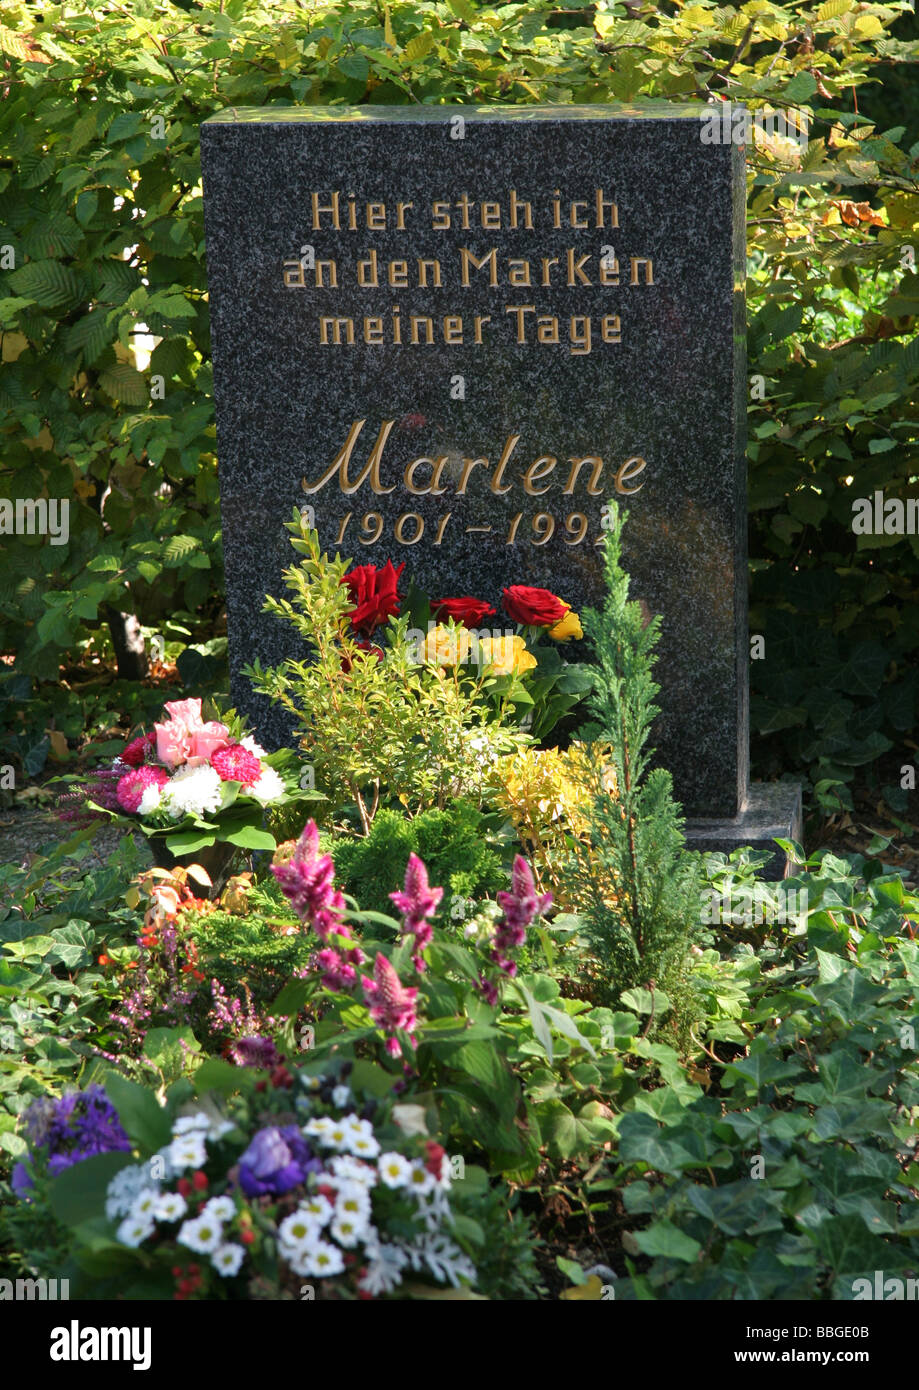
(101, 205)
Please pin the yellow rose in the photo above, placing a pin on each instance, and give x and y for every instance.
(445, 648)
(567, 629)
(506, 656)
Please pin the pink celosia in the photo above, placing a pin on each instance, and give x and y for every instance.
(133, 784)
(416, 903)
(236, 764)
(335, 970)
(392, 1004)
(306, 882)
(521, 905)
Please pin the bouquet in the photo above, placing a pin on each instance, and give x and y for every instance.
(192, 783)
(303, 1187)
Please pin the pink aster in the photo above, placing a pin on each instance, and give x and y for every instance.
(133, 784)
(392, 1004)
(416, 902)
(236, 764)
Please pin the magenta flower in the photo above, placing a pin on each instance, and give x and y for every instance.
(133, 784)
(306, 882)
(337, 972)
(236, 764)
(392, 1004)
(521, 905)
(416, 903)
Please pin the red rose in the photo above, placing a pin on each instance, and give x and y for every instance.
(374, 594)
(465, 610)
(533, 607)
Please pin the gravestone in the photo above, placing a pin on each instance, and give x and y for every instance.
(455, 333)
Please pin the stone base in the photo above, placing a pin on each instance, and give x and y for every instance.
(772, 811)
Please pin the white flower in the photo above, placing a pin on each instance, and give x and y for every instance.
(320, 1126)
(353, 1200)
(219, 1208)
(384, 1273)
(298, 1231)
(394, 1170)
(134, 1229)
(151, 798)
(125, 1187)
(172, 1206)
(226, 1259)
(143, 1208)
(341, 1096)
(470, 930)
(364, 1145)
(206, 1121)
(193, 791)
(194, 1123)
(252, 747)
(420, 1180)
(315, 1208)
(187, 1151)
(320, 1258)
(269, 786)
(203, 1235)
(337, 1136)
(347, 1230)
(347, 1170)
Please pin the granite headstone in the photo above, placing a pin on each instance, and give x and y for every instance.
(456, 333)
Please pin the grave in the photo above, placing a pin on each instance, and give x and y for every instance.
(456, 333)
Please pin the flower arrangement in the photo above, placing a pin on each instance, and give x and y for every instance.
(191, 783)
(302, 1178)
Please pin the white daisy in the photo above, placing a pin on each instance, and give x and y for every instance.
(322, 1258)
(144, 1206)
(364, 1145)
(135, 1229)
(316, 1209)
(394, 1170)
(353, 1200)
(226, 1259)
(347, 1169)
(319, 1126)
(125, 1187)
(172, 1206)
(297, 1231)
(420, 1180)
(347, 1230)
(219, 1209)
(196, 1122)
(203, 1235)
(188, 1151)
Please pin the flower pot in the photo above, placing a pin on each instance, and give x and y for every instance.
(216, 859)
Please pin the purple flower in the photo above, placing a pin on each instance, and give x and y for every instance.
(416, 902)
(254, 1052)
(521, 905)
(79, 1125)
(21, 1181)
(276, 1161)
(392, 1005)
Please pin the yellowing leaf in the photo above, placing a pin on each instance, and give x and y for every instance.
(832, 9)
(592, 1291)
(868, 26)
(419, 46)
(199, 874)
(388, 34)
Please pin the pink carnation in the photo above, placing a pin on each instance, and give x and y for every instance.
(132, 785)
(236, 764)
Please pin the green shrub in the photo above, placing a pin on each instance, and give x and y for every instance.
(452, 843)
